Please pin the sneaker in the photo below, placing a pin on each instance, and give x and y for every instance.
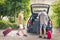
(18, 34)
(25, 35)
(40, 36)
(45, 38)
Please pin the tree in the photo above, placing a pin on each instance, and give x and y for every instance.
(56, 14)
(12, 7)
(2, 1)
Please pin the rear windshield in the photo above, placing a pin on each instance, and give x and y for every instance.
(37, 10)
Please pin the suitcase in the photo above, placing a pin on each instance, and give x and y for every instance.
(6, 31)
(49, 34)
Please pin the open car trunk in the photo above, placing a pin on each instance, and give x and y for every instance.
(36, 8)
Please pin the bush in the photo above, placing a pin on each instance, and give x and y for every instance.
(3, 25)
(12, 8)
(14, 26)
(56, 14)
(11, 20)
(54, 19)
(6, 24)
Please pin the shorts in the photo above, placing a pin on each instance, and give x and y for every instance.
(42, 26)
(20, 26)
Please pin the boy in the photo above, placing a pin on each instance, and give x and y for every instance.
(43, 21)
(20, 22)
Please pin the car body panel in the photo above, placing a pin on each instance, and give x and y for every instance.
(34, 25)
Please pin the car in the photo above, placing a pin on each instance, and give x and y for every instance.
(33, 25)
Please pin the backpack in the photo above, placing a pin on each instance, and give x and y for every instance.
(49, 34)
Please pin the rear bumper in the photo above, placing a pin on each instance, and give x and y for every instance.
(32, 30)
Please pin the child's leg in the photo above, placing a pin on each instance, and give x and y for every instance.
(22, 31)
(21, 27)
(44, 30)
(18, 28)
(41, 30)
(18, 32)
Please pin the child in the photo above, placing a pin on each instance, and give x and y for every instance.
(20, 23)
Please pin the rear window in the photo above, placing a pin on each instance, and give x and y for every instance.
(37, 10)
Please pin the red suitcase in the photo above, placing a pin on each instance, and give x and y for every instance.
(6, 31)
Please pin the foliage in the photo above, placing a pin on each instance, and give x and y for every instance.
(56, 15)
(2, 1)
(12, 7)
(11, 19)
(6, 24)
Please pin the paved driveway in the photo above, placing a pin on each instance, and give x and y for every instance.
(12, 36)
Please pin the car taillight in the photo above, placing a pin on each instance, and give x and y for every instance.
(28, 21)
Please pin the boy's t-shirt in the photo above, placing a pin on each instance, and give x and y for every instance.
(43, 18)
(20, 19)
